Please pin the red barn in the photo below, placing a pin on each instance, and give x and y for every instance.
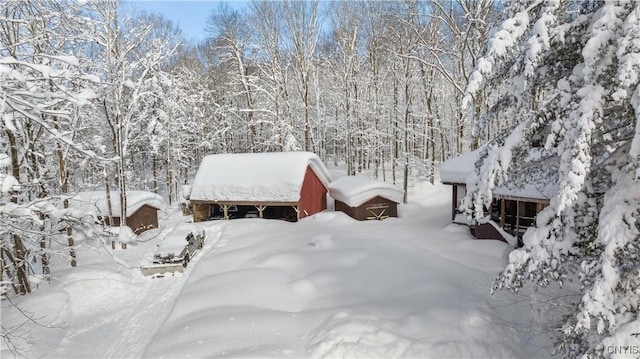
(279, 185)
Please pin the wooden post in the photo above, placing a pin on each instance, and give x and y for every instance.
(454, 201)
(194, 214)
(539, 207)
(295, 208)
(225, 209)
(260, 209)
(517, 219)
(502, 213)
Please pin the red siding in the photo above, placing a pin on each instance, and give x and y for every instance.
(313, 195)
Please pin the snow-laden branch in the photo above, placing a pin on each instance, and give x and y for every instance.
(505, 40)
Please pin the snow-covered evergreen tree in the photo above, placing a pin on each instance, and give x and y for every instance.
(569, 72)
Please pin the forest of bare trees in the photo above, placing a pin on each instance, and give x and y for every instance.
(101, 96)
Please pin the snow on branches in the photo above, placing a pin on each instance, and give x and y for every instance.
(582, 62)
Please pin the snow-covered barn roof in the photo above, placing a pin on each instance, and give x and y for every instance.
(356, 190)
(256, 177)
(96, 201)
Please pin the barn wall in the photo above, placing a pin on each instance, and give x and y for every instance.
(343, 207)
(362, 213)
(143, 219)
(200, 211)
(313, 195)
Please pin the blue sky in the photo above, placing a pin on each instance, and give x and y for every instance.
(190, 16)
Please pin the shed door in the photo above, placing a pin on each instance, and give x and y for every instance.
(377, 211)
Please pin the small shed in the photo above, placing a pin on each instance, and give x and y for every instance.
(364, 198)
(275, 185)
(142, 208)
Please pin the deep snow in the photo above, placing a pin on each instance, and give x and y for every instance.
(327, 286)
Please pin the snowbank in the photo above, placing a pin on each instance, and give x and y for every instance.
(328, 287)
(255, 177)
(356, 190)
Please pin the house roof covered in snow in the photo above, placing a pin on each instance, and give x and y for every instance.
(356, 190)
(538, 176)
(96, 201)
(459, 168)
(256, 177)
(526, 191)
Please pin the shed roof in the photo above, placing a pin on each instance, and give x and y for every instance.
(356, 190)
(255, 177)
(96, 201)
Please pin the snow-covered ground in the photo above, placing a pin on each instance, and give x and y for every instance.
(327, 286)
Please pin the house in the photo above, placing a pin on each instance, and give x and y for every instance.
(515, 204)
(363, 198)
(276, 185)
(142, 208)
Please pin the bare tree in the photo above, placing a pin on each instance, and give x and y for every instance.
(126, 68)
(41, 95)
(303, 24)
(230, 37)
(269, 34)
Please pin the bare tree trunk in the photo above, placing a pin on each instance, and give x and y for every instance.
(20, 259)
(70, 241)
(5, 268)
(155, 173)
(396, 140)
(407, 116)
(109, 206)
(44, 258)
(22, 271)
(122, 180)
(307, 125)
(169, 179)
(64, 187)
